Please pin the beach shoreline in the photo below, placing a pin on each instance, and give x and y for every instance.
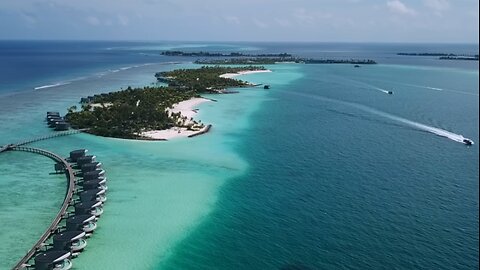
(187, 109)
(232, 75)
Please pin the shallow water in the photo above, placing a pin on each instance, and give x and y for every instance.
(324, 170)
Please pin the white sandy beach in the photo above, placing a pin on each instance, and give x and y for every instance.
(185, 108)
(231, 75)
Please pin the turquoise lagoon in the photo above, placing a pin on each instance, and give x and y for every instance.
(323, 171)
(158, 191)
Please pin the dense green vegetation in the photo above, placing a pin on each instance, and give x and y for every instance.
(217, 54)
(276, 60)
(127, 113)
(204, 79)
(445, 56)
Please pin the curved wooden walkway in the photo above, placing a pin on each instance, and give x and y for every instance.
(22, 264)
(69, 173)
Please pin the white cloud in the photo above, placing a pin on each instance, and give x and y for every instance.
(232, 19)
(260, 24)
(303, 16)
(283, 22)
(437, 6)
(29, 18)
(397, 6)
(122, 20)
(92, 20)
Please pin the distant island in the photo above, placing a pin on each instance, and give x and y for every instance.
(445, 56)
(236, 58)
(214, 54)
(205, 79)
(156, 113)
(272, 61)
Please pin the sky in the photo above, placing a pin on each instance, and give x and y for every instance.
(451, 21)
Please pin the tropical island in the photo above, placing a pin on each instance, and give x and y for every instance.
(273, 61)
(160, 112)
(216, 54)
(236, 58)
(207, 79)
(445, 56)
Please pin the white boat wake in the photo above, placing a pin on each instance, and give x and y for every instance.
(419, 126)
(51, 85)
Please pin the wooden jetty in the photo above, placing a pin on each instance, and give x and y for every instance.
(62, 166)
(62, 213)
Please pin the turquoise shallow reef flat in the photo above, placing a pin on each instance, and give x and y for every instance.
(325, 170)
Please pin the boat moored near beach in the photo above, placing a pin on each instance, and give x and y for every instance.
(53, 260)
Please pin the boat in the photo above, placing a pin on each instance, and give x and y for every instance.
(266, 86)
(357, 66)
(467, 142)
(390, 92)
(53, 260)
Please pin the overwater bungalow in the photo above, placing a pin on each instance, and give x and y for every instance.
(53, 114)
(93, 195)
(82, 222)
(51, 122)
(91, 166)
(75, 154)
(85, 159)
(93, 175)
(53, 260)
(95, 183)
(49, 117)
(89, 208)
(72, 241)
(61, 126)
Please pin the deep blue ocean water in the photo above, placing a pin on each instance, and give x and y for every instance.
(340, 174)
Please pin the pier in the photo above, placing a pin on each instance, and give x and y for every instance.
(81, 207)
(62, 213)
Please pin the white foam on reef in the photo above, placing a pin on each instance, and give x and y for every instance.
(51, 85)
(434, 130)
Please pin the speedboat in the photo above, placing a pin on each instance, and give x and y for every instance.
(390, 92)
(467, 142)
